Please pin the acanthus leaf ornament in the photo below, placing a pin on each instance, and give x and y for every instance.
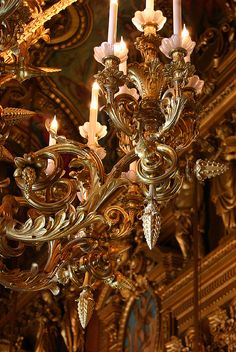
(148, 17)
(174, 345)
(222, 327)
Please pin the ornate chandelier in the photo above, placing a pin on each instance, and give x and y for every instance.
(85, 217)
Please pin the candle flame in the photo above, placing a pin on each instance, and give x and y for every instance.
(120, 47)
(185, 32)
(54, 125)
(96, 86)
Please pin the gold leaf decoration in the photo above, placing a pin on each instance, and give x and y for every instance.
(151, 223)
(207, 169)
(85, 306)
(13, 115)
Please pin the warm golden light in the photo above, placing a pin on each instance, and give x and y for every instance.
(94, 99)
(150, 5)
(94, 105)
(122, 44)
(120, 48)
(185, 32)
(96, 86)
(54, 125)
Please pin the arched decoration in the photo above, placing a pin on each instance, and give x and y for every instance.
(72, 30)
(140, 325)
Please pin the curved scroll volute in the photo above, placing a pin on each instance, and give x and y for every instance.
(172, 107)
(7, 8)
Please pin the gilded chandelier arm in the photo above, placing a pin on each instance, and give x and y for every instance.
(172, 108)
(64, 223)
(121, 165)
(40, 277)
(30, 175)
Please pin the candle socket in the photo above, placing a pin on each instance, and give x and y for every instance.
(178, 54)
(150, 28)
(111, 61)
(110, 79)
(148, 46)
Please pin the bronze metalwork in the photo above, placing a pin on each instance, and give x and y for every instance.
(85, 220)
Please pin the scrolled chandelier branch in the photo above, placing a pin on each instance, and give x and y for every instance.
(83, 217)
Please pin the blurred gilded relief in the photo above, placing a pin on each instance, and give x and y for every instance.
(223, 191)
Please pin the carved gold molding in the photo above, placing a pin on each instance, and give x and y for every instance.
(214, 111)
(217, 286)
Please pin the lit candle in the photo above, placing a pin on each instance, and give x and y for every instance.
(93, 114)
(184, 33)
(120, 50)
(149, 4)
(185, 38)
(177, 17)
(53, 128)
(112, 26)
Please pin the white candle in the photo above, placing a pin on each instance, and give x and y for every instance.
(93, 114)
(53, 128)
(52, 141)
(149, 4)
(112, 26)
(177, 17)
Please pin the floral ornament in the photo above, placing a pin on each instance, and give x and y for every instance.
(104, 50)
(204, 169)
(196, 83)
(28, 169)
(101, 130)
(148, 17)
(174, 42)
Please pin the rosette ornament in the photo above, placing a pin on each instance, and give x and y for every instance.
(148, 17)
